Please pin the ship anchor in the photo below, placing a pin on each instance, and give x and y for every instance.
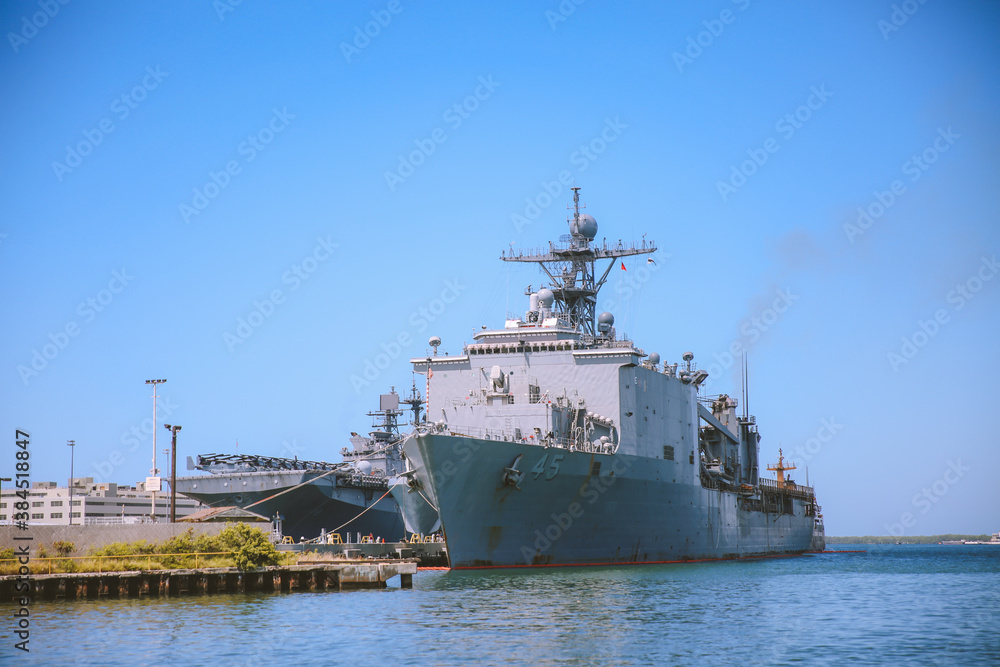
(512, 476)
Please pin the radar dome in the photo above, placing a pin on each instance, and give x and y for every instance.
(585, 225)
(364, 467)
(545, 297)
(606, 318)
(688, 356)
(434, 341)
(654, 358)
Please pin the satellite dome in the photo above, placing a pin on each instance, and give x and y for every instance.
(654, 358)
(434, 341)
(688, 356)
(545, 297)
(364, 467)
(585, 225)
(606, 318)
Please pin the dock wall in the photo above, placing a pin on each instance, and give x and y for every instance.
(166, 583)
(89, 537)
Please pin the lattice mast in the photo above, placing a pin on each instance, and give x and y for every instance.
(572, 267)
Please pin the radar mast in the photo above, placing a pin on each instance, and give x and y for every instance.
(572, 268)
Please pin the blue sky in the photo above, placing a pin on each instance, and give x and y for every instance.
(169, 169)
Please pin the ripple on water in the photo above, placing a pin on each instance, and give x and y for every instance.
(903, 604)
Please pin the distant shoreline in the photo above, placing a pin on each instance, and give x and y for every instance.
(906, 539)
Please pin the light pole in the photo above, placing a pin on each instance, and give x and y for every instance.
(173, 471)
(72, 448)
(152, 494)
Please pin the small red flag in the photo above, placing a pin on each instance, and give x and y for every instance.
(623, 267)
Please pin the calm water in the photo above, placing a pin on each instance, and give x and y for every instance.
(893, 604)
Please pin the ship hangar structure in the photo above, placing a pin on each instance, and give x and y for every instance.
(554, 441)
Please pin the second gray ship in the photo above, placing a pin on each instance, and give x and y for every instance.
(310, 497)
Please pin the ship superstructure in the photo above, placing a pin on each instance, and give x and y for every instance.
(556, 441)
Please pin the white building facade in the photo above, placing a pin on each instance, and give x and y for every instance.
(93, 504)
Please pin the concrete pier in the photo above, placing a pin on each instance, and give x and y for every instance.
(164, 583)
(426, 554)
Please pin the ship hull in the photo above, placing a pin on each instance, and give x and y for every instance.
(576, 508)
(307, 510)
(419, 516)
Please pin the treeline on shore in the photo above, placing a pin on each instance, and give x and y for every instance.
(906, 539)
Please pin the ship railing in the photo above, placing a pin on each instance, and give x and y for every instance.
(527, 438)
(114, 520)
(790, 488)
(622, 341)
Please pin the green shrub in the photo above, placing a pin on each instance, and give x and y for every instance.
(124, 549)
(252, 546)
(63, 548)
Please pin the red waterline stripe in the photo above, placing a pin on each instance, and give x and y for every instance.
(641, 562)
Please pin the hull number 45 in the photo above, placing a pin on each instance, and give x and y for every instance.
(544, 466)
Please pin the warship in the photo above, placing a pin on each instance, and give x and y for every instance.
(555, 441)
(310, 497)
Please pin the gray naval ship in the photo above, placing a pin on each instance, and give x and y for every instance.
(553, 441)
(312, 496)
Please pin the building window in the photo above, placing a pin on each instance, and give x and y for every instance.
(55, 515)
(56, 503)
(3, 505)
(74, 515)
(38, 516)
(38, 503)
(3, 517)
(75, 503)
